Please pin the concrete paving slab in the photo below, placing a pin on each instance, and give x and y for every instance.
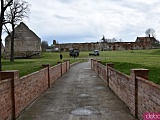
(78, 95)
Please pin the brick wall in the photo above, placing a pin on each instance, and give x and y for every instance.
(55, 73)
(123, 86)
(105, 46)
(148, 96)
(94, 65)
(102, 71)
(5, 100)
(136, 91)
(17, 93)
(29, 87)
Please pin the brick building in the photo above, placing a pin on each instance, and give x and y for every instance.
(137, 45)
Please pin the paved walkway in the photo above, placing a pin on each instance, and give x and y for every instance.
(78, 95)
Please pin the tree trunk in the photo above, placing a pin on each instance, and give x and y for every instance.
(1, 25)
(12, 44)
(0, 55)
(0, 45)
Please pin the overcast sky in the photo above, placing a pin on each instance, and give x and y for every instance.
(69, 21)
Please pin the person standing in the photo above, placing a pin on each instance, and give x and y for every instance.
(61, 56)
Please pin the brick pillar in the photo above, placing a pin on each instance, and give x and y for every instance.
(94, 66)
(66, 64)
(91, 63)
(69, 64)
(14, 75)
(60, 66)
(47, 66)
(140, 72)
(107, 71)
(98, 62)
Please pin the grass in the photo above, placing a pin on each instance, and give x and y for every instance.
(27, 66)
(123, 60)
(126, 60)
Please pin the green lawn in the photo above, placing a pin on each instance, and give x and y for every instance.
(26, 66)
(126, 60)
(123, 60)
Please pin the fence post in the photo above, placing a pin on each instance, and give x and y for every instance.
(47, 66)
(140, 72)
(107, 71)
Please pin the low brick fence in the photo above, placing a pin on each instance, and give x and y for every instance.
(136, 91)
(17, 93)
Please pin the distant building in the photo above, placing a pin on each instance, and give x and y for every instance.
(26, 43)
(146, 39)
(110, 44)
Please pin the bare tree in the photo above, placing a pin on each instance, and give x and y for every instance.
(44, 45)
(103, 39)
(4, 5)
(16, 12)
(150, 32)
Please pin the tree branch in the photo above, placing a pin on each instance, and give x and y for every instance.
(8, 4)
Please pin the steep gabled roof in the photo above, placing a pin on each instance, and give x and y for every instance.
(22, 29)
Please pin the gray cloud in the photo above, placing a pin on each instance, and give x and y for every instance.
(63, 17)
(88, 20)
